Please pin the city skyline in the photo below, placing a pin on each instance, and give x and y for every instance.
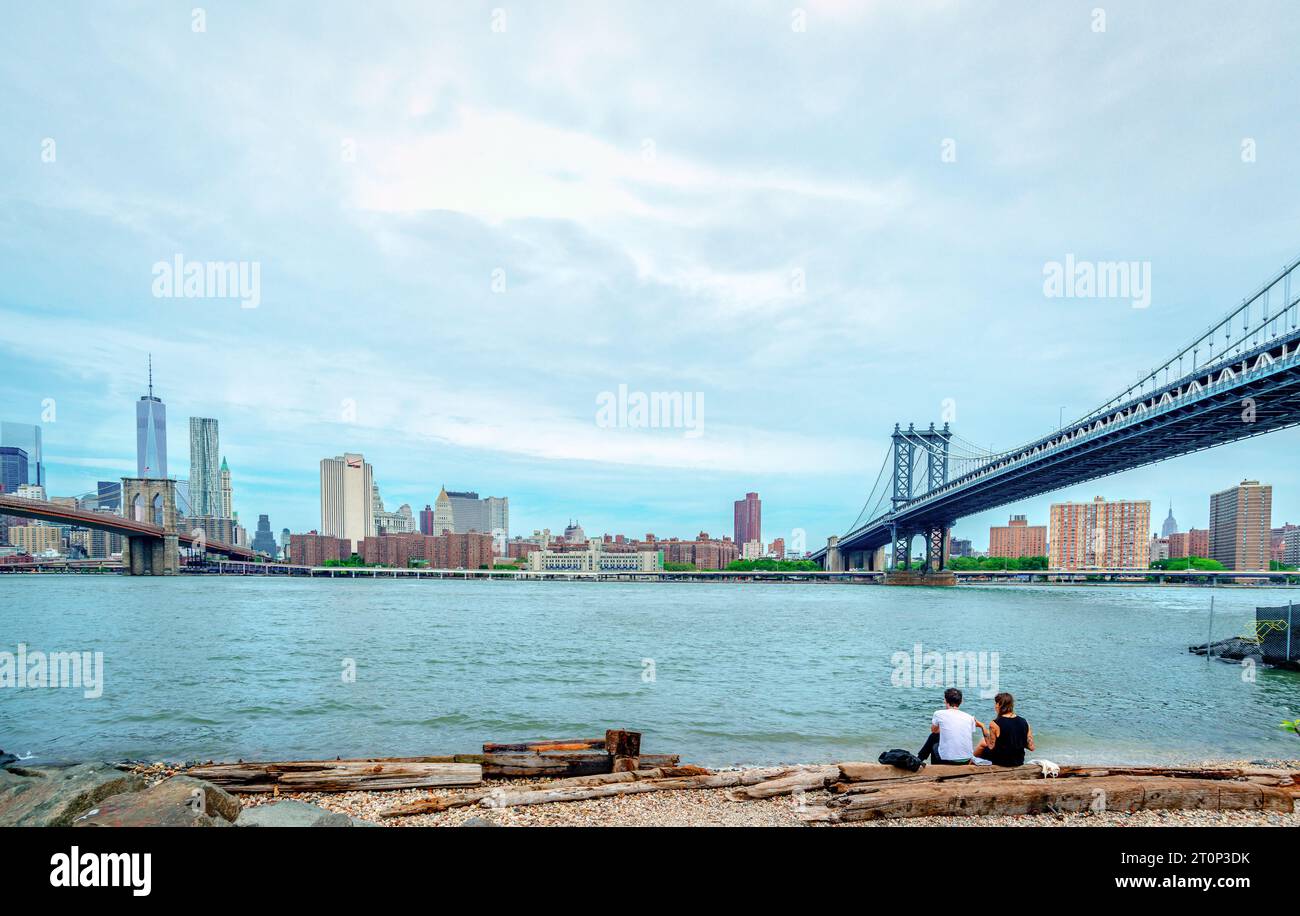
(846, 267)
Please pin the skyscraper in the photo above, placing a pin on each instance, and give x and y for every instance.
(226, 505)
(346, 498)
(1114, 535)
(426, 520)
(1170, 526)
(264, 540)
(1240, 519)
(27, 437)
(205, 474)
(13, 468)
(748, 519)
(150, 433)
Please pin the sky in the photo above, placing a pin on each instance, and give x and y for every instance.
(472, 223)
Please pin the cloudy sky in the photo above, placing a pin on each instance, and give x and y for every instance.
(471, 220)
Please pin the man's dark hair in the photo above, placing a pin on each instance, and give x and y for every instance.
(952, 696)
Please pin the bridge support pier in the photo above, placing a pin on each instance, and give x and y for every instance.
(834, 558)
(148, 556)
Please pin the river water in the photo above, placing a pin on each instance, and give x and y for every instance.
(253, 668)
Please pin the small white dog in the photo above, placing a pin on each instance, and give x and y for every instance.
(1050, 770)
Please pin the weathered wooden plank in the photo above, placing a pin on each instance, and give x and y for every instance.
(502, 798)
(565, 744)
(1003, 797)
(800, 780)
(337, 775)
(436, 803)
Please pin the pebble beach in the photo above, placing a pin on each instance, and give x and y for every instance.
(711, 808)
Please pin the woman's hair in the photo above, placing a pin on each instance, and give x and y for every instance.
(1005, 703)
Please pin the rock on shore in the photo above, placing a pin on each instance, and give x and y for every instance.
(56, 796)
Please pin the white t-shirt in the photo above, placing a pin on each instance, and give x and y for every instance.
(955, 730)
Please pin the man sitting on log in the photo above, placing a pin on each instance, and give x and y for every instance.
(951, 732)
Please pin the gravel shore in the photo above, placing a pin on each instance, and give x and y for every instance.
(710, 808)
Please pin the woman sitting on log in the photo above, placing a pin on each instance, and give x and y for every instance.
(1007, 737)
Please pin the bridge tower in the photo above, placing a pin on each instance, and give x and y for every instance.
(152, 500)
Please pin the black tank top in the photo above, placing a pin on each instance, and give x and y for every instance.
(1013, 736)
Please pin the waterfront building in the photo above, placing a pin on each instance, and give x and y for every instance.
(205, 468)
(472, 550)
(313, 549)
(150, 433)
(27, 437)
(13, 468)
(1291, 546)
(1240, 519)
(1170, 526)
(37, 539)
(285, 540)
(748, 518)
(595, 559)
(1100, 534)
(264, 540)
(1195, 542)
(777, 548)
(960, 547)
(1018, 538)
(346, 498)
(1277, 542)
(1159, 548)
(751, 550)
(426, 520)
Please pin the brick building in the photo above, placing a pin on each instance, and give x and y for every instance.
(1018, 538)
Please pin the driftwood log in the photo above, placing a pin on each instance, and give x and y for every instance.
(436, 803)
(338, 775)
(504, 798)
(564, 763)
(1004, 796)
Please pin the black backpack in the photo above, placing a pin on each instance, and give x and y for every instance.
(903, 759)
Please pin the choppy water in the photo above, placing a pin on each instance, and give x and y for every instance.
(252, 668)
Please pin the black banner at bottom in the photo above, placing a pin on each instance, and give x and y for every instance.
(330, 866)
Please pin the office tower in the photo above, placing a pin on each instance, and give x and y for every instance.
(426, 520)
(205, 472)
(109, 496)
(748, 519)
(1170, 526)
(264, 540)
(468, 512)
(498, 515)
(1100, 534)
(28, 438)
(1291, 547)
(346, 498)
(285, 537)
(13, 468)
(150, 433)
(960, 547)
(1240, 519)
(443, 518)
(1017, 538)
(226, 504)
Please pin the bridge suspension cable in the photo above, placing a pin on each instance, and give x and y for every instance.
(1271, 311)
